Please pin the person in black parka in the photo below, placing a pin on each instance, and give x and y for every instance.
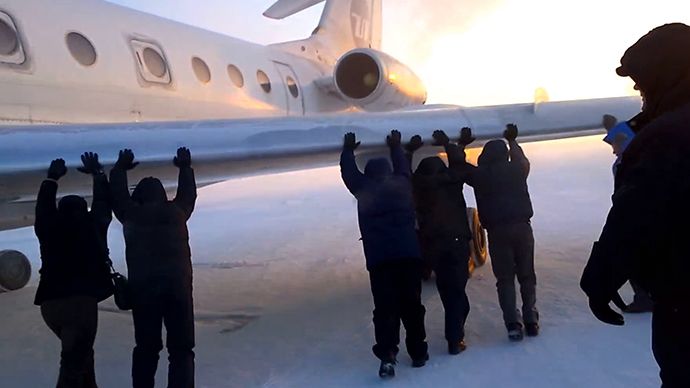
(159, 268)
(387, 225)
(445, 233)
(505, 209)
(645, 238)
(74, 271)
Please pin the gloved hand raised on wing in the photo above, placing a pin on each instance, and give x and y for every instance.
(414, 144)
(90, 163)
(183, 158)
(125, 160)
(57, 169)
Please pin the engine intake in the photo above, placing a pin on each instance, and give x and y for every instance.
(376, 81)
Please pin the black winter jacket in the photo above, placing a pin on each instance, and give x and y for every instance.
(500, 184)
(74, 250)
(645, 237)
(385, 206)
(440, 203)
(155, 229)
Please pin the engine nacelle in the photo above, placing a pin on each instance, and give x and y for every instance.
(375, 81)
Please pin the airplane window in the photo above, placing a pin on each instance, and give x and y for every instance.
(235, 76)
(264, 81)
(8, 39)
(154, 62)
(292, 87)
(203, 74)
(81, 49)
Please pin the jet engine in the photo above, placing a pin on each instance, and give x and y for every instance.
(374, 81)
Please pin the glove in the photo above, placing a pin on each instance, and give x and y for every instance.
(511, 132)
(394, 139)
(440, 138)
(350, 141)
(600, 308)
(183, 158)
(466, 137)
(91, 165)
(414, 144)
(125, 160)
(57, 169)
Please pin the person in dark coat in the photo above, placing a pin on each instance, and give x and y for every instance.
(505, 209)
(387, 225)
(619, 136)
(159, 268)
(646, 232)
(445, 233)
(74, 273)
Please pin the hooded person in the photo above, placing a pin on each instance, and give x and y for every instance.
(444, 235)
(387, 225)
(505, 209)
(74, 273)
(645, 235)
(159, 268)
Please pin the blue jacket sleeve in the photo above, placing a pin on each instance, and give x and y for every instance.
(352, 177)
(122, 201)
(186, 191)
(401, 163)
(46, 209)
(101, 210)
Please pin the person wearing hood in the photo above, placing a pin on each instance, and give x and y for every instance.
(387, 224)
(505, 209)
(74, 273)
(159, 268)
(444, 233)
(645, 235)
(619, 136)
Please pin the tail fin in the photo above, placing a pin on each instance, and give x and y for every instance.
(344, 25)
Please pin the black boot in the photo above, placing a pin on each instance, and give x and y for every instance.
(387, 370)
(514, 331)
(420, 362)
(456, 347)
(532, 329)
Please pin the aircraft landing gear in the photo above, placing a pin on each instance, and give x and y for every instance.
(478, 248)
(15, 270)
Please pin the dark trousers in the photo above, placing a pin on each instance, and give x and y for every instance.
(74, 321)
(671, 345)
(397, 289)
(512, 255)
(450, 261)
(172, 305)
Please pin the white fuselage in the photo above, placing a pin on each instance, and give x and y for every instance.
(51, 85)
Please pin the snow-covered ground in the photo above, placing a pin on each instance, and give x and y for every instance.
(282, 297)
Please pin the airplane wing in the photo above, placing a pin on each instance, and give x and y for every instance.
(224, 149)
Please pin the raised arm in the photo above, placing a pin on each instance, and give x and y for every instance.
(186, 184)
(46, 209)
(517, 156)
(119, 190)
(401, 164)
(457, 162)
(101, 211)
(352, 177)
(412, 146)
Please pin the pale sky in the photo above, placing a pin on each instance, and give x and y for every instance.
(472, 52)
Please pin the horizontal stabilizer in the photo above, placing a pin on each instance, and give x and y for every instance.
(284, 8)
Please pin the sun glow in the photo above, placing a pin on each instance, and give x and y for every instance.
(568, 49)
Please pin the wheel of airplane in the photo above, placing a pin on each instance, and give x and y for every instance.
(15, 270)
(478, 248)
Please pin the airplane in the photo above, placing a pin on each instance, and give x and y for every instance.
(108, 77)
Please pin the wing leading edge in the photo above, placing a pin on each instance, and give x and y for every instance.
(228, 148)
